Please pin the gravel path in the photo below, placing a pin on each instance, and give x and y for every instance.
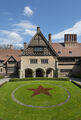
(78, 80)
(4, 80)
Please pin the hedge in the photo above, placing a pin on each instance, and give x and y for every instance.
(77, 76)
(40, 78)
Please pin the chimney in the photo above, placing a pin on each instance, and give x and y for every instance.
(38, 29)
(49, 38)
(11, 47)
(70, 40)
(25, 45)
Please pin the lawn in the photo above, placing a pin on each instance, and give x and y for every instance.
(45, 107)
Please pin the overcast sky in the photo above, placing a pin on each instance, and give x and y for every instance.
(19, 19)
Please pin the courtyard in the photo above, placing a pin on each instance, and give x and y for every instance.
(40, 100)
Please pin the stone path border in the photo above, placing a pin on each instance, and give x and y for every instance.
(77, 80)
(4, 80)
(51, 106)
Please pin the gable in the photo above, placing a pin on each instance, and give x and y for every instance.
(11, 59)
(39, 42)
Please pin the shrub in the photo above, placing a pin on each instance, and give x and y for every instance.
(1, 76)
(40, 78)
(77, 76)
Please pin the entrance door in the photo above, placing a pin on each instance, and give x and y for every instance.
(39, 73)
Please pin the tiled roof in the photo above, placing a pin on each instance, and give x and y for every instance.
(5, 54)
(59, 48)
(63, 51)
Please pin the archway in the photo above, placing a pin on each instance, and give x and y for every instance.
(28, 73)
(39, 72)
(50, 72)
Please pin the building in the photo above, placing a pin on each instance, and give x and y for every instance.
(10, 62)
(42, 58)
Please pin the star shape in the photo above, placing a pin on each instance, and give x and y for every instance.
(40, 90)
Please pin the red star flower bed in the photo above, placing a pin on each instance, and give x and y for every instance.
(40, 90)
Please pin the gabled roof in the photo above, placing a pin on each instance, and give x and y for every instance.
(10, 58)
(45, 40)
(5, 54)
(67, 52)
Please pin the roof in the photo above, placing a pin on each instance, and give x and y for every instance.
(5, 54)
(64, 52)
(44, 39)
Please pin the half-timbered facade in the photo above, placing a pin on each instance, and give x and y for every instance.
(9, 62)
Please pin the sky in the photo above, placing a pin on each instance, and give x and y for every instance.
(20, 18)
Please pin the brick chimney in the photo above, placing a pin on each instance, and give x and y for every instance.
(49, 38)
(38, 29)
(70, 40)
(25, 45)
(11, 47)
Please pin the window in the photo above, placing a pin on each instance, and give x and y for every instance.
(38, 49)
(1, 62)
(44, 61)
(65, 70)
(70, 52)
(66, 59)
(33, 61)
(11, 62)
(59, 52)
(12, 70)
(1, 70)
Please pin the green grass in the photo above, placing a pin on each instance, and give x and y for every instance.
(25, 95)
(10, 110)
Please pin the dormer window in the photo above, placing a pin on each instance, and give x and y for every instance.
(38, 49)
(70, 52)
(59, 52)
